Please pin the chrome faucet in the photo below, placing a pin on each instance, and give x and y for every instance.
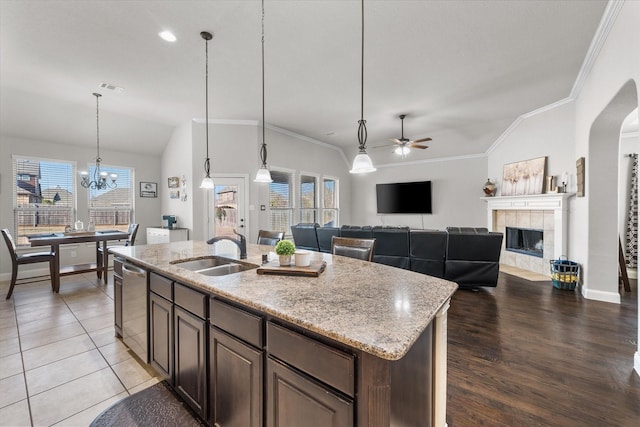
(241, 242)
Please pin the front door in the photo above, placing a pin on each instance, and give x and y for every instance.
(227, 212)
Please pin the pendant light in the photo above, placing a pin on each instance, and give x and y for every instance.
(362, 162)
(99, 181)
(263, 174)
(207, 182)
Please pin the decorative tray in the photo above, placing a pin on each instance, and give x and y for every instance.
(313, 270)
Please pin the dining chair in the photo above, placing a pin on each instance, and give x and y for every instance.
(353, 248)
(27, 258)
(271, 238)
(132, 231)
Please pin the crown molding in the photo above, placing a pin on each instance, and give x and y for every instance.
(609, 17)
(438, 160)
(227, 122)
(308, 139)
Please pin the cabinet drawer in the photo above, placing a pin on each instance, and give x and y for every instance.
(237, 322)
(190, 300)
(329, 365)
(161, 286)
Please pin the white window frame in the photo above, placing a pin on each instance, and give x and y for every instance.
(292, 198)
(131, 213)
(337, 200)
(316, 209)
(70, 211)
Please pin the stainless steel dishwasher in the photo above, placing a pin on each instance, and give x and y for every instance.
(134, 309)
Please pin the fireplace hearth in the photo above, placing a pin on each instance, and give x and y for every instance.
(525, 241)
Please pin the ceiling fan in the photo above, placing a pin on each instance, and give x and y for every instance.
(403, 145)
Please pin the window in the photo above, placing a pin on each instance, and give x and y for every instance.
(280, 202)
(329, 202)
(43, 197)
(112, 207)
(308, 198)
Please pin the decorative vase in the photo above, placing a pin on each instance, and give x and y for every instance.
(285, 260)
(489, 188)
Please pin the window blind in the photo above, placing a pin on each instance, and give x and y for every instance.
(112, 207)
(43, 197)
(280, 202)
(308, 198)
(330, 202)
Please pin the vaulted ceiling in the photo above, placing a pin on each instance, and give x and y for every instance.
(462, 71)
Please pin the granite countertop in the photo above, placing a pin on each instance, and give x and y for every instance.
(372, 307)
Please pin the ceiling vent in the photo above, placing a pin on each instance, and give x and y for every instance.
(109, 86)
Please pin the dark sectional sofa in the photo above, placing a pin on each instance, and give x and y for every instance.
(468, 256)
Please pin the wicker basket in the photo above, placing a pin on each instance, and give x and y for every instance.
(565, 274)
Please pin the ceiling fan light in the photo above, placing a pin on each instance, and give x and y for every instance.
(263, 175)
(362, 164)
(402, 151)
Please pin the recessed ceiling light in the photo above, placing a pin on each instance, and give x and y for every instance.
(167, 36)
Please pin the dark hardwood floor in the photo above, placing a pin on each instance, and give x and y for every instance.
(526, 354)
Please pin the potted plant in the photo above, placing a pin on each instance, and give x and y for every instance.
(285, 248)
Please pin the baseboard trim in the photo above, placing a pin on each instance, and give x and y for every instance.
(26, 274)
(612, 297)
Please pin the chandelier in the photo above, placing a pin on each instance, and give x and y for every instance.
(99, 181)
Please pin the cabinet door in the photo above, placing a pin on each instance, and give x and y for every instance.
(117, 300)
(161, 335)
(235, 381)
(294, 400)
(190, 363)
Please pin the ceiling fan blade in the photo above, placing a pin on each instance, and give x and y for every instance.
(420, 140)
(422, 147)
(382, 146)
(395, 141)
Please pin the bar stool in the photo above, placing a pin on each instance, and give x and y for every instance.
(353, 248)
(271, 238)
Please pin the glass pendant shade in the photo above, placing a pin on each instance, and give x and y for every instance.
(362, 164)
(207, 183)
(263, 175)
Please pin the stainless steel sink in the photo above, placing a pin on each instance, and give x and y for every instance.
(214, 266)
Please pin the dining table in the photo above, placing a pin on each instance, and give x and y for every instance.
(75, 237)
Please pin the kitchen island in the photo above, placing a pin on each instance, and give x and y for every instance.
(363, 344)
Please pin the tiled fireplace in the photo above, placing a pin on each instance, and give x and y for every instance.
(544, 214)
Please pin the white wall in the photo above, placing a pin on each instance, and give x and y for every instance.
(551, 134)
(456, 190)
(234, 149)
(147, 168)
(176, 161)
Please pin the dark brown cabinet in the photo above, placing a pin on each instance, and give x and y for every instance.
(235, 381)
(295, 400)
(161, 336)
(190, 377)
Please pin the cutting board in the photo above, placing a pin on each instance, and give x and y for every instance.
(312, 270)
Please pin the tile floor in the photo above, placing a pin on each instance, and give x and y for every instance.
(60, 363)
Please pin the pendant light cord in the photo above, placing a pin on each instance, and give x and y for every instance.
(263, 148)
(206, 100)
(98, 159)
(362, 128)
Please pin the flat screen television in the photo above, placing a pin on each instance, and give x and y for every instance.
(404, 198)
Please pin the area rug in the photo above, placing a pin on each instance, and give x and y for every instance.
(157, 405)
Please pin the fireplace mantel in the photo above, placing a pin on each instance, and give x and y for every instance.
(556, 202)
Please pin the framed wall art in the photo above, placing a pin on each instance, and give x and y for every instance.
(523, 178)
(174, 194)
(580, 177)
(174, 182)
(148, 189)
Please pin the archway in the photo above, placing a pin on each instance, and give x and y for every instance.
(602, 184)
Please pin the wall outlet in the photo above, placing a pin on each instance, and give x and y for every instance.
(73, 254)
